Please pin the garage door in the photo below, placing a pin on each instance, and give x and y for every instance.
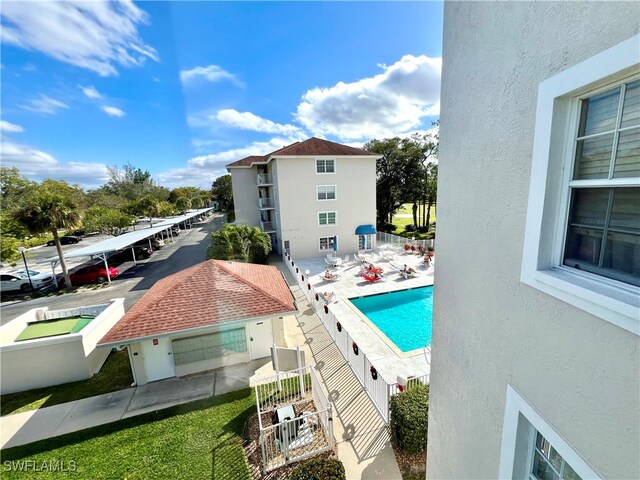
(210, 346)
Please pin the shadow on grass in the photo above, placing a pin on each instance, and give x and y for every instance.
(233, 426)
(115, 375)
(225, 465)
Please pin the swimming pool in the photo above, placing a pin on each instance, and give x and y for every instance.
(404, 316)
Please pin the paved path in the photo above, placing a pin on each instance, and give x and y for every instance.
(364, 446)
(27, 427)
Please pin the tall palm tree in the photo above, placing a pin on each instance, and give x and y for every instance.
(151, 206)
(50, 209)
(183, 204)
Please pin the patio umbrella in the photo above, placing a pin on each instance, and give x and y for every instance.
(335, 243)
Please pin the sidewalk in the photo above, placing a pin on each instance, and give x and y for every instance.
(362, 438)
(27, 427)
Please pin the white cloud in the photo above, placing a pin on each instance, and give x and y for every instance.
(38, 165)
(10, 127)
(45, 104)
(113, 111)
(212, 73)
(249, 121)
(90, 92)
(96, 35)
(392, 102)
(202, 170)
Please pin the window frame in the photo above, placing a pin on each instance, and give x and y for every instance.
(330, 249)
(325, 165)
(335, 193)
(327, 212)
(515, 406)
(556, 126)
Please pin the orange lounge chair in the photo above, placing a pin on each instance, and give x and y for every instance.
(371, 277)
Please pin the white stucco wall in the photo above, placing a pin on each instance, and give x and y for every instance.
(245, 195)
(580, 373)
(55, 360)
(355, 180)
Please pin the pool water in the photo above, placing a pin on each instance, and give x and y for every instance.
(404, 316)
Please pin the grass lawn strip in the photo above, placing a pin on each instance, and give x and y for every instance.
(114, 375)
(191, 441)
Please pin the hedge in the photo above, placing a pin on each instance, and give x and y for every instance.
(319, 469)
(409, 415)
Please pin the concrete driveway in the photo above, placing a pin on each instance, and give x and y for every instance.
(189, 249)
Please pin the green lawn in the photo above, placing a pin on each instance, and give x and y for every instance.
(114, 375)
(197, 440)
(400, 223)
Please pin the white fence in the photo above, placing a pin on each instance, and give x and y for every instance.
(378, 390)
(382, 237)
(307, 427)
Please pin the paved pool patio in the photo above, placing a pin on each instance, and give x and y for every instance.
(387, 358)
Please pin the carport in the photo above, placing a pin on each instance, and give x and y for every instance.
(101, 249)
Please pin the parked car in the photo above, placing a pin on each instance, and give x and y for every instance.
(66, 240)
(155, 243)
(92, 274)
(18, 280)
(175, 230)
(126, 255)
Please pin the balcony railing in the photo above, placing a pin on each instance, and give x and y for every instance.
(267, 227)
(264, 179)
(265, 203)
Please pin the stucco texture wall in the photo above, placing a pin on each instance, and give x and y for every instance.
(245, 196)
(579, 372)
(355, 202)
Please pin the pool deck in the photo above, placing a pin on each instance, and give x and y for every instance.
(387, 358)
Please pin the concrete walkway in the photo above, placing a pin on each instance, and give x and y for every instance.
(27, 427)
(363, 441)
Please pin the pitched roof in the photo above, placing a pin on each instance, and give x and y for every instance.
(210, 293)
(312, 146)
(318, 146)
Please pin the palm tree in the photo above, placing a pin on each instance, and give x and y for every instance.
(151, 206)
(49, 209)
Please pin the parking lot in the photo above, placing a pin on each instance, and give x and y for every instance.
(188, 249)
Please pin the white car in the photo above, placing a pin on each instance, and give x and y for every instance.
(17, 280)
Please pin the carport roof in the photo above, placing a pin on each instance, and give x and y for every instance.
(111, 244)
(207, 294)
(126, 239)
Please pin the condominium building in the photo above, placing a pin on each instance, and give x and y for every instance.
(313, 198)
(535, 372)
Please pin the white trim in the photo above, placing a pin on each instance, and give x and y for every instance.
(315, 165)
(335, 191)
(516, 405)
(335, 213)
(545, 227)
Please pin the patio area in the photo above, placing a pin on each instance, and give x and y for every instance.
(381, 352)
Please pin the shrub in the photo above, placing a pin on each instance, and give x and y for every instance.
(409, 228)
(319, 469)
(408, 420)
(386, 227)
(231, 215)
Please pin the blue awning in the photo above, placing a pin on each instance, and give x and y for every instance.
(366, 230)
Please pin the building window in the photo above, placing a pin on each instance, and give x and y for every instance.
(603, 233)
(327, 243)
(325, 166)
(327, 218)
(548, 464)
(207, 347)
(582, 234)
(326, 192)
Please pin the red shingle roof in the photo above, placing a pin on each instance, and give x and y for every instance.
(310, 147)
(209, 293)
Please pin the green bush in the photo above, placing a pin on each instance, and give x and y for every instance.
(37, 241)
(319, 469)
(231, 215)
(409, 416)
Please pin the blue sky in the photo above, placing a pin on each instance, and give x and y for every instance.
(183, 88)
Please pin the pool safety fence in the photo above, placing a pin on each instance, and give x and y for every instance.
(294, 416)
(377, 388)
(382, 237)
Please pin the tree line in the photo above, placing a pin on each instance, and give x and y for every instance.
(33, 212)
